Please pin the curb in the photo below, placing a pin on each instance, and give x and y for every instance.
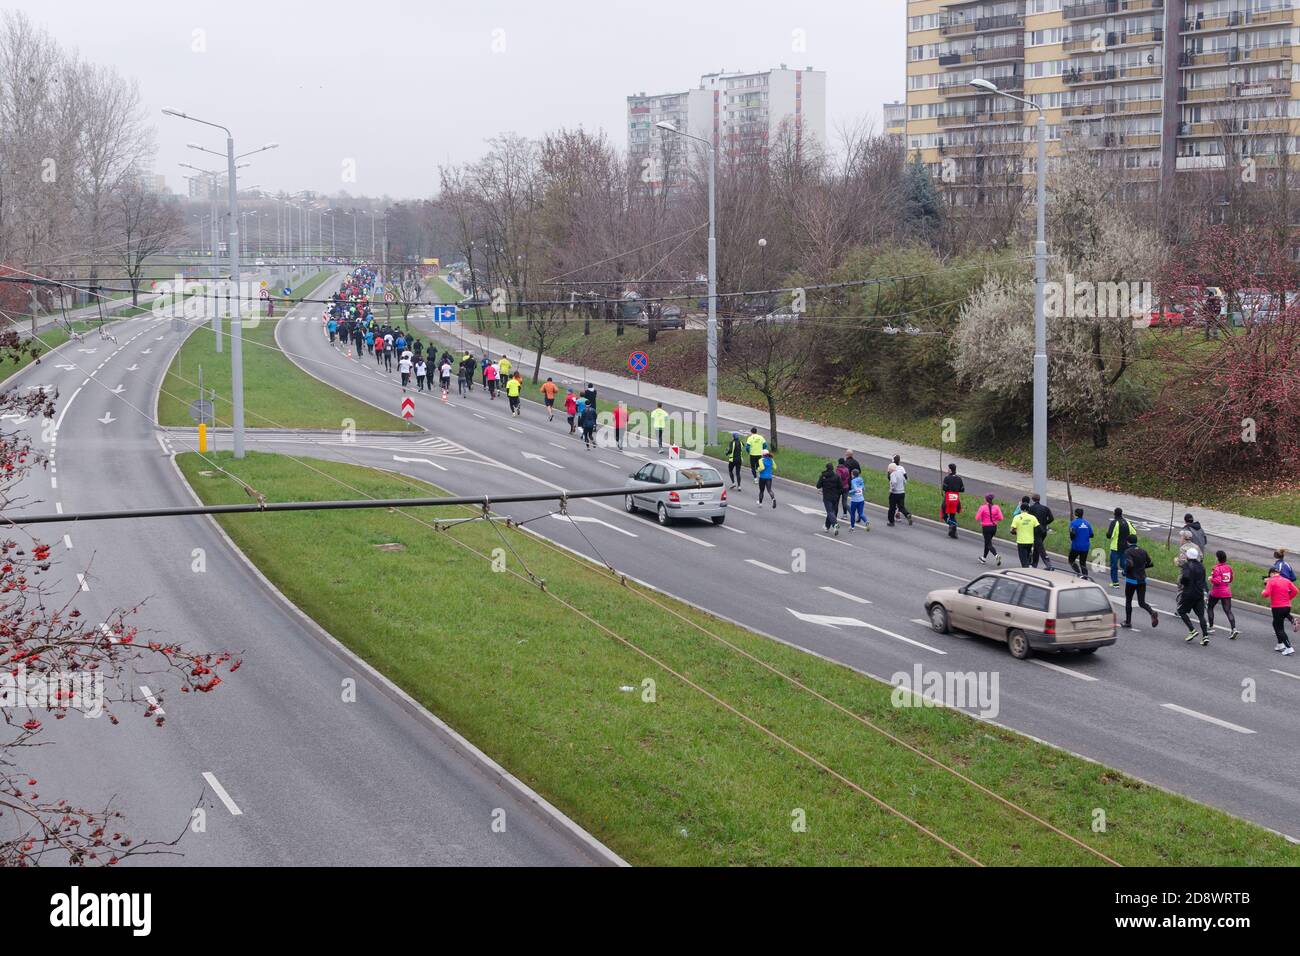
(584, 841)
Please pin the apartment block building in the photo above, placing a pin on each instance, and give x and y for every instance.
(1155, 87)
(738, 112)
(895, 119)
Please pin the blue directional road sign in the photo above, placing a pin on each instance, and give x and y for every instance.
(444, 313)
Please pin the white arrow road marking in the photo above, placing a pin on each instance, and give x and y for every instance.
(1208, 719)
(422, 461)
(88, 351)
(134, 368)
(147, 352)
(153, 701)
(826, 620)
(846, 595)
(774, 570)
(160, 338)
(220, 791)
(589, 520)
(117, 391)
(1060, 669)
(809, 511)
(108, 419)
(528, 454)
(67, 368)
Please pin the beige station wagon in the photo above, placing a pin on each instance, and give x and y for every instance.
(1029, 609)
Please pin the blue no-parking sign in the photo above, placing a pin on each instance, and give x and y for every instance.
(638, 362)
(444, 313)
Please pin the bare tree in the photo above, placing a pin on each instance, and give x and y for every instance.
(142, 225)
(770, 356)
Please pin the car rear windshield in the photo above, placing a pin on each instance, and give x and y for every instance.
(1081, 602)
(698, 474)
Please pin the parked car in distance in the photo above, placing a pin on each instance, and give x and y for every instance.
(1028, 609)
(474, 302)
(644, 491)
(669, 318)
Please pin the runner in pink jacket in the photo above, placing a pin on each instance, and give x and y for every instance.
(989, 515)
(1280, 593)
(1221, 593)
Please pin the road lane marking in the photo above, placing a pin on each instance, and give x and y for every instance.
(726, 527)
(1064, 670)
(766, 567)
(1285, 673)
(477, 415)
(956, 577)
(67, 541)
(424, 461)
(743, 511)
(608, 463)
(58, 507)
(1208, 719)
(153, 701)
(220, 791)
(81, 580)
(847, 596)
(554, 445)
(590, 520)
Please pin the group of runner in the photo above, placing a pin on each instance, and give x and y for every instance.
(842, 487)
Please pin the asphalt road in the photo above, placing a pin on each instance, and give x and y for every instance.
(1157, 526)
(316, 781)
(1165, 711)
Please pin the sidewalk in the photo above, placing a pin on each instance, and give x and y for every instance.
(1253, 531)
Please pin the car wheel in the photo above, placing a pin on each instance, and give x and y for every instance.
(939, 619)
(1018, 645)
(718, 519)
(629, 504)
(663, 514)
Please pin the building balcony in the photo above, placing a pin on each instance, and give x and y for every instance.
(1014, 83)
(981, 149)
(1262, 88)
(1124, 141)
(1236, 127)
(978, 118)
(1112, 108)
(1109, 74)
(1113, 41)
(1236, 54)
(958, 26)
(1089, 9)
(1235, 20)
(990, 54)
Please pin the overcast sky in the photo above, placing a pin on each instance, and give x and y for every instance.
(401, 87)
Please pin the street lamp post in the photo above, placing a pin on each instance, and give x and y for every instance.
(1040, 288)
(236, 321)
(711, 422)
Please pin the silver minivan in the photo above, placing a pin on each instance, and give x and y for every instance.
(644, 491)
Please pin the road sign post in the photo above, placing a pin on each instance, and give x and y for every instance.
(637, 363)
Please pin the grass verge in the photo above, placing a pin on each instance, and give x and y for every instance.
(681, 780)
(276, 392)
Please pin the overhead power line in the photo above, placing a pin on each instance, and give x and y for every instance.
(483, 501)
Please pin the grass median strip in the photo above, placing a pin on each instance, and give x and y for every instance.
(276, 391)
(679, 779)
